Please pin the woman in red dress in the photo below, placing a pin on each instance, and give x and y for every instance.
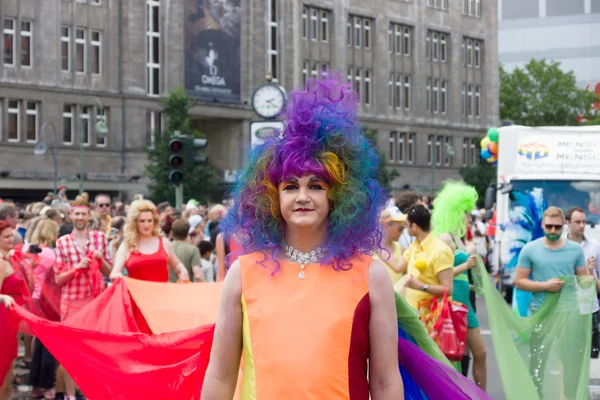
(12, 289)
(146, 255)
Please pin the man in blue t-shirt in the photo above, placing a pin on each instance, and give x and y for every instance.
(541, 265)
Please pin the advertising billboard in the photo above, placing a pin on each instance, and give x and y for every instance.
(212, 49)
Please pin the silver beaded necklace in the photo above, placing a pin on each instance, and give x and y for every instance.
(304, 258)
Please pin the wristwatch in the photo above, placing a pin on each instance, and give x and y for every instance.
(425, 288)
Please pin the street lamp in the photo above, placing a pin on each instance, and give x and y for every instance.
(100, 128)
(41, 149)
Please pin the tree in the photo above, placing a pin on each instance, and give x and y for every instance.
(480, 177)
(542, 94)
(198, 182)
(385, 176)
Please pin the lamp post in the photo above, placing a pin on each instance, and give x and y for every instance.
(100, 128)
(41, 149)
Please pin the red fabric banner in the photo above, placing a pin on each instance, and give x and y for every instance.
(107, 356)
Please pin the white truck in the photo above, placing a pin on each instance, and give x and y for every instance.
(564, 162)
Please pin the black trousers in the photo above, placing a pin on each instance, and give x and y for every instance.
(595, 336)
(43, 367)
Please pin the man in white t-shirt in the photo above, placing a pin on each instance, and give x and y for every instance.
(576, 220)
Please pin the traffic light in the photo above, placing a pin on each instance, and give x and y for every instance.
(191, 146)
(176, 159)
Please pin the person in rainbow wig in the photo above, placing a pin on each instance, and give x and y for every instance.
(314, 316)
(451, 209)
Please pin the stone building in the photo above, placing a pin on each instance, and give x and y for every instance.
(426, 72)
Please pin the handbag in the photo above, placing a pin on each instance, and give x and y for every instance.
(446, 323)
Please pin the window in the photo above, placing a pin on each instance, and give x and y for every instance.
(96, 47)
(153, 47)
(434, 47)
(444, 97)
(68, 124)
(367, 86)
(349, 32)
(468, 60)
(391, 39)
(401, 144)
(477, 55)
(8, 32)
(465, 151)
(429, 149)
(474, 152)
(391, 90)
(31, 121)
(65, 48)
(14, 120)
(304, 22)
(367, 30)
(407, 41)
(324, 26)
(272, 37)
(448, 150)
(438, 150)
(435, 98)
(314, 31)
(478, 100)
(102, 115)
(411, 148)
(442, 47)
(393, 140)
(472, 8)
(407, 92)
(428, 94)
(86, 127)
(96, 2)
(439, 4)
(463, 51)
(80, 50)
(314, 72)
(398, 39)
(358, 83)
(470, 100)
(154, 126)
(351, 75)
(428, 45)
(357, 31)
(324, 69)
(398, 97)
(304, 72)
(26, 43)
(464, 99)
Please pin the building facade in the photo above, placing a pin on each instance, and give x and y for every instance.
(565, 31)
(425, 71)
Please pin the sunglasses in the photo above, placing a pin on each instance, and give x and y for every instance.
(103, 205)
(553, 227)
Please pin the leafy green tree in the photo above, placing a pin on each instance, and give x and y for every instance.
(542, 94)
(479, 176)
(385, 176)
(199, 183)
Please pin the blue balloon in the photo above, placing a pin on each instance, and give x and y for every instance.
(485, 154)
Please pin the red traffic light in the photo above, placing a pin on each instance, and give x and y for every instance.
(176, 145)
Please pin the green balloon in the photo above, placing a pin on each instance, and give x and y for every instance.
(493, 134)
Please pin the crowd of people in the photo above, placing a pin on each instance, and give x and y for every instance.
(84, 247)
(320, 268)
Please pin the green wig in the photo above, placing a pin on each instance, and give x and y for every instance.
(449, 208)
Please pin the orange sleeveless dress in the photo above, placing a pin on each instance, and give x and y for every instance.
(305, 339)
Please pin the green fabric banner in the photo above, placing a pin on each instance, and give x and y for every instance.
(547, 355)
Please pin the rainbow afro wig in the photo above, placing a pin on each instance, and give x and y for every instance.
(323, 137)
(449, 208)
